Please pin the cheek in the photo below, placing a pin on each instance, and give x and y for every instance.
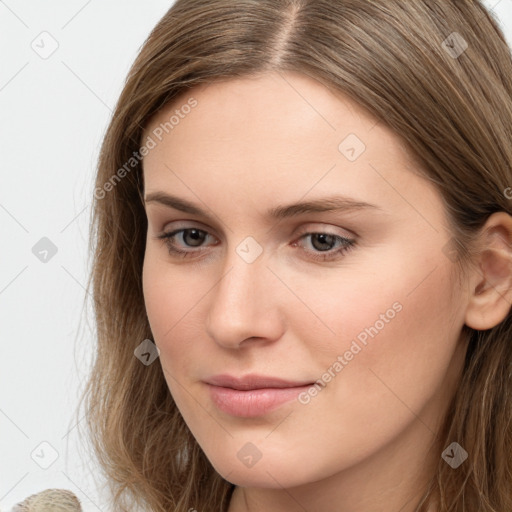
(163, 297)
(385, 305)
(396, 334)
(160, 297)
(174, 299)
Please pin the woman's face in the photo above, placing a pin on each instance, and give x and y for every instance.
(361, 298)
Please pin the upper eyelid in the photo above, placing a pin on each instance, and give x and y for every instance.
(191, 224)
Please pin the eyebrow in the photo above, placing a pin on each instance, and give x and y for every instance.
(325, 204)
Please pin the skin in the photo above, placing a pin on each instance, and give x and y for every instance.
(364, 443)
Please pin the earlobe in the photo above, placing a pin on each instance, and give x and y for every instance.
(491, 278)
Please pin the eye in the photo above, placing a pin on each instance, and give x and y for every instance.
(326, 246)
(192, 237)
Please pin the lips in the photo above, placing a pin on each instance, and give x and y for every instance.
(252, 395)
(253, 381)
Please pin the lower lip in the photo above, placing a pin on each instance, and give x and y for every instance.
(252, 403)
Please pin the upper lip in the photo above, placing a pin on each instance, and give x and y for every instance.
(253, 381)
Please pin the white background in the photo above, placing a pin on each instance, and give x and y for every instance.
(54, 113)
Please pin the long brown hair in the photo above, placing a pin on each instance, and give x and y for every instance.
(436, 72)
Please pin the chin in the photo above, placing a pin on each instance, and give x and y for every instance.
(269, 473)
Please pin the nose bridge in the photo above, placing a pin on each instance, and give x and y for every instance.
(238, 291)
(242, 303)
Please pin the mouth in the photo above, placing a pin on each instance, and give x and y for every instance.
(252, 395)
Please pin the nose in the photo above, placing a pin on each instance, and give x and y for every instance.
(244, 304)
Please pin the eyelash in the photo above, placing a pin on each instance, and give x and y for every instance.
(330, 255)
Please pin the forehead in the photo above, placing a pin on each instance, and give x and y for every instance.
(271, 100)
(237, 137)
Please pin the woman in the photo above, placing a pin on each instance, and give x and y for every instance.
(302, 249)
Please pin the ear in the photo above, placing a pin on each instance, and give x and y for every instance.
(491, 278)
